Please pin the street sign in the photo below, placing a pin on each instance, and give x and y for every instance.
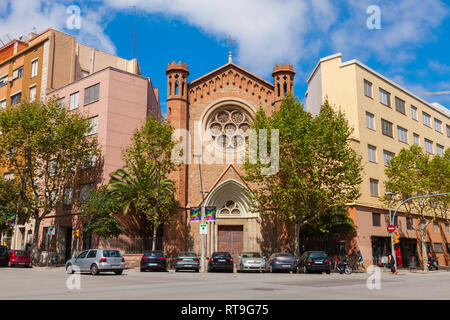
(203, 229)
(51, 230)
(390, 228)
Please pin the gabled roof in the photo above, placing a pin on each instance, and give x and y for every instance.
(227, 66)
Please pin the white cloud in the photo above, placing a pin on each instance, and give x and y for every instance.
(24, 16)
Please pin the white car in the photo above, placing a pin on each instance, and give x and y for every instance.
(251, 261)
(96, 261)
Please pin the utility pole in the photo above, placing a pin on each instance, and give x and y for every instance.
(202, 211)
(390, 194)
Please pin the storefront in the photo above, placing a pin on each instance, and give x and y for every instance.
(405, 251)
(381, 248)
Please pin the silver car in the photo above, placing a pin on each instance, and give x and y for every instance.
(187, 261)
(251, 261)
(96, 261)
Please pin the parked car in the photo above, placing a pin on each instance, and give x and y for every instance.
(314, 261)
(96, 261)
(251, 261)
(19, 258)
(4, 256)
(153, 260)
(187, 261)
(281, 262)
(221, 261)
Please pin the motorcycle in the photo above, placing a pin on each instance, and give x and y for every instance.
(344, 266)
(433, 264)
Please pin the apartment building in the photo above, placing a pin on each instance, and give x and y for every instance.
(37, 64)
(386, 118)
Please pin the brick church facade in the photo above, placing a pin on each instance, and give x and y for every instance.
(220, 106)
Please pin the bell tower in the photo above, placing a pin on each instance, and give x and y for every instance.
(177, 77)
(283, 81)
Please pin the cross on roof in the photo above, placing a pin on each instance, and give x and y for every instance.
(230, 47)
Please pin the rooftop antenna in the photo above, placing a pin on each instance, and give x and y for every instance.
(230, 48)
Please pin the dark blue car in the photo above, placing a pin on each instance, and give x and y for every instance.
(279, 262)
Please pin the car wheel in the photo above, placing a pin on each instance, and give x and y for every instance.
(197, 270)
(328, 272)
(118, 272)
(69, 269)
(176, 270)
(94, 270)
(141, 269)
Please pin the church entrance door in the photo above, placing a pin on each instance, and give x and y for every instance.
(230, 239)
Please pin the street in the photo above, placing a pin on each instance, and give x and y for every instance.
(50, 283)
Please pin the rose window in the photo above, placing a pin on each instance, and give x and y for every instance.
(230, 208)
(228, 128)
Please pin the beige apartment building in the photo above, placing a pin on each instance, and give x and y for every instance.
(37, 64)
(385, 118)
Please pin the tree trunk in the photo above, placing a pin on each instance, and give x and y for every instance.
(34, 245)
(297, 240)
(155, 230)
(423, 234)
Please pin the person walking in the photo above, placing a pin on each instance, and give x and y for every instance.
(361, 261)
(392, 264)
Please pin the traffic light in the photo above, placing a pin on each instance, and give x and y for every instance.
(77, 233)
(396, 238)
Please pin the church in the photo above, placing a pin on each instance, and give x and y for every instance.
(220, 106)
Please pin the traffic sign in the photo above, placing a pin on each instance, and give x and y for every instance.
(390, 228)
(203, 229)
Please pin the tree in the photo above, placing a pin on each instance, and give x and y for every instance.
(318, 169)
(101, 209)
(43, 144)
(143, 180)
(414, 173)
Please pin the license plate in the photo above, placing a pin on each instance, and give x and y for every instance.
(115, 265)
(21, 262)
(222, 260)
(152, 264)
(286, 265)
(188, 265)
(318, 262)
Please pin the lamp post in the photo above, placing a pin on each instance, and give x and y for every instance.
(199, 156)
(391, 195)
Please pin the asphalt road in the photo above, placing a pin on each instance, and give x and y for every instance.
(50, 283)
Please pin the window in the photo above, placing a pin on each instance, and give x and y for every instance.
(82, 255)
(386, 128)
(385, 97)
(61, 102)
(16, 98)
(436, 227)
(372, 153)
(34, 68)
(368, 89)
(89, 162)
(402, 134)
(91, 94)
(438, 248)
(376, 219)
(370, 121)
(52, 168)
(426, 118)
(438, 125)
(94, 125)
(414, 112)
(409, 223)
(73, 101)
(400, 105)
(32, 93)
(3, 104)
(85, 192)
(416, 139)
(68, 196)
(429, 146)
(18, 73)
(374, 188)
(92, 254)
(387, 156)
(3, 80)
(448, 130)
(439, 150)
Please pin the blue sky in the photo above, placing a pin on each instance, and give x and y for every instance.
(412, 47)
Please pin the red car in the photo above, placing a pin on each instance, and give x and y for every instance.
(19, 258)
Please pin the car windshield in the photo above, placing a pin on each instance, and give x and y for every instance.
(288, 255)
(187, 254)
(221, 255)
(155, 254)
(251, 255)
(317, 255)
(19, 253)
(111, 254)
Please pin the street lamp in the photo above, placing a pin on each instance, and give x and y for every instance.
(199, 157)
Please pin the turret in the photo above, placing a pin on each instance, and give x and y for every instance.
(283, 81)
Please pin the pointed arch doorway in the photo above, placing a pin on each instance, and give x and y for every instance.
(236, 227)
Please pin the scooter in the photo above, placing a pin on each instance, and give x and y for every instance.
(433, 264)
(344, 267)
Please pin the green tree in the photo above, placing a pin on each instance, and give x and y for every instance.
(414, 173)
(42, 143)
(100, 211)
(318, 170)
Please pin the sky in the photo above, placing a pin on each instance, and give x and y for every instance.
(410, 44)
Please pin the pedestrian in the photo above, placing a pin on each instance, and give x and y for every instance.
(361, 261)
(392, 264)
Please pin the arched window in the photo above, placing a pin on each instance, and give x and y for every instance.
(284, 89)
(278, 89)
(182, 89)
(176, 87)
(170, 88)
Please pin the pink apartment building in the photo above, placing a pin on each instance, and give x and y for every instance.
(117, 102)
